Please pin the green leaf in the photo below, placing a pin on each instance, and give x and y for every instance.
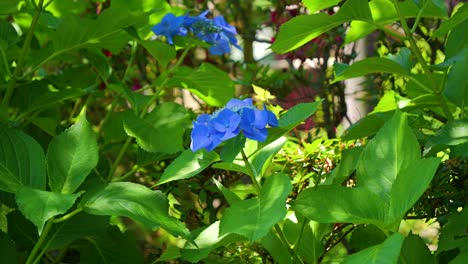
(387, 155)
(22, 161)
(160, 131)
(366, 236)
(297, 114)
(387, 252)
(151, 208)
(261, 159)
(453, 133)
(71, 156)
(113, 247)
(366, 66)
(314, 6)
(456, 87)
(8, 6)
(79, 226)
(278, 251)
(331, 204)
(210, 84)
(301, 29)
(367, 126)
(229, 166)
(207, 241)
(414, 250)
(310, 245)
(402, 58)
(232, 148)
(230, 196)
(187, 165)
(4, 211)
(162, 52)
(104, 32)
(458, 17)
(253, 218)
(454, 234)
(39, 206)
(409, 186)
(344, 169)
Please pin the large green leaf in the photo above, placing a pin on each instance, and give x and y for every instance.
(253, 218)
(22, 161)
(414, 250)
(39, 206)
(71, 156)
(456, 87)
(332, 204)
(105, 32)
(261, 159)
(136, 201)
(278, 251)
(210, 84)
(387, 155)
(366, 66)
(385, 253)
(112, 247)
(160, 131)
(302, 29)
(187, 165)
(344, 169)
(366, 236)
(409, 186)
(8, 6)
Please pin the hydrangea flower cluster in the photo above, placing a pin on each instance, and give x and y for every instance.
(216, 32)
(237, 116)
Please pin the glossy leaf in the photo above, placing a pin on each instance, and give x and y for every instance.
(187, 165)
(210, 84)
(166, 123)
(385, 253)
(135, 201)
(71, 156)
(261, 159)
(332, 204)
(39, 206)
(453, 133)
(297, 114)
(22, 161)
(387, 155)
(253, 218)
(366, 66)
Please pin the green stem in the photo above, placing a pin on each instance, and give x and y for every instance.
(298, 242)
(143, 112)
(22, 58)
(419, 57)
(130, 61)
(38, 245)
(68, 216)
(5, 61)
(127, 175)
(418, 17)
(253, 172)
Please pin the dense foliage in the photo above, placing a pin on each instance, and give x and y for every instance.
(128, 134)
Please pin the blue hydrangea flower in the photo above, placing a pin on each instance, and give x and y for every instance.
(238, 116)
(216, 32)
(204, 135)
(171, 26)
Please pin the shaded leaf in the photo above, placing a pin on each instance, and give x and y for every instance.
(151, 208)
(366, 66)
(344, 169)
(71, 156)
(39, 206)
(162, 52)
(232, 148)
(389, 153)
(366, 236)
(253, 218)
(22, 161)
(458, 17)
(414, 250)
(7, 249)
(278, 251)
(160, 131)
